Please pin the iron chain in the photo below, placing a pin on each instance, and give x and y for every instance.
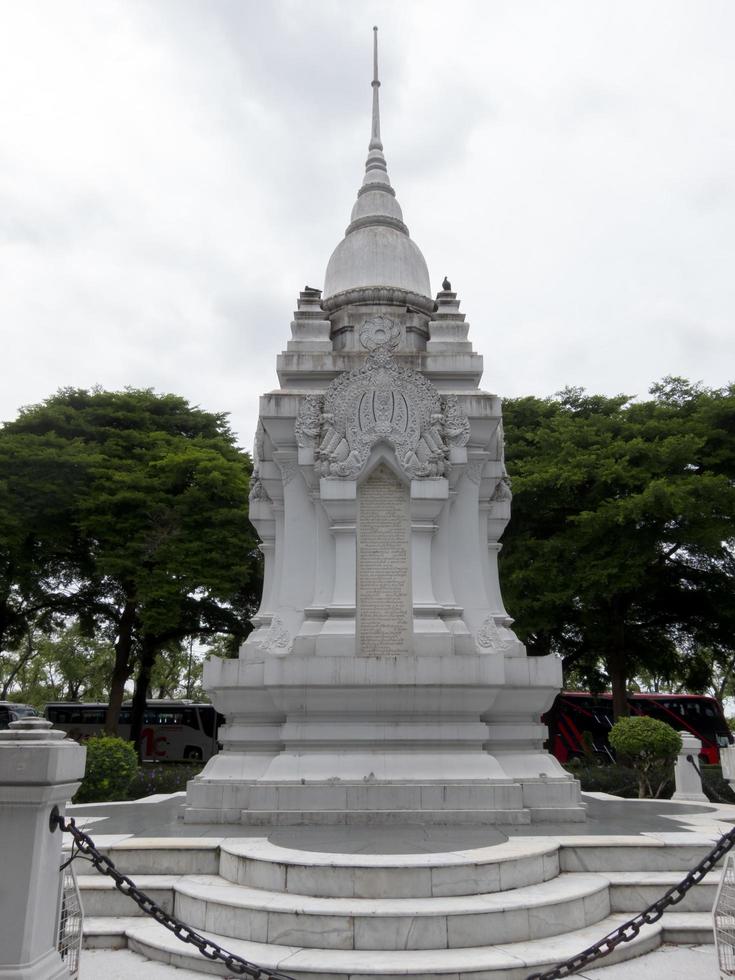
(242, 967)
(210, 950)
(630, 929)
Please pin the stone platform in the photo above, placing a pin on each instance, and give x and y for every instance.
(411, 901)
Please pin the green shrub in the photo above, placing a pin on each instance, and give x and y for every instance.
(648, 746)
(111, 764)
(716, 787)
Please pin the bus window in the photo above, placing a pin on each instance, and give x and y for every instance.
(91, 716)
(172, 716)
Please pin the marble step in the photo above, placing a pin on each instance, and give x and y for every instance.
(631, 891)
(539, 910)
(159, 855)
(260, 864)
(100, 897)
(509, 961)
(661, 852)
(688, 928)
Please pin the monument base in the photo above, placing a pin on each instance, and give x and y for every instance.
(377, 741)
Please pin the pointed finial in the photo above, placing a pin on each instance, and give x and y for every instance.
(375, 143)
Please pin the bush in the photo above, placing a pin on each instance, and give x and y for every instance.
(162, 777)
(604, 777)
(111, 765)
(650, 747)
(716, 787)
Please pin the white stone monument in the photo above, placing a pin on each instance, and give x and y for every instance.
(382, 683)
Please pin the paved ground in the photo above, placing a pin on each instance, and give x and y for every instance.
(163, 816)
(669, 962)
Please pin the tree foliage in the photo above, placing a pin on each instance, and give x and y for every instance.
(620, 552)
(128, 511)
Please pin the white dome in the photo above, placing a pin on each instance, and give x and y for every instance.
(377, 255)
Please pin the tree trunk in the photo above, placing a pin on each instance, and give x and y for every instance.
(619, 683)
(122, 668)
(617, 664)
(22, 661)
(149, 648)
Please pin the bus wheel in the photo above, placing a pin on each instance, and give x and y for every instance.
(193, 754)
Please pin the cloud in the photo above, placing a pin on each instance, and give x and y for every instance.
(171, 174)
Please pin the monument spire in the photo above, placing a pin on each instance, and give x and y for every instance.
(375, 138)
(375, 160)
(377, 251)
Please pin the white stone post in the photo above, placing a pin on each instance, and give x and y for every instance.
(688, 780)
(39, 768)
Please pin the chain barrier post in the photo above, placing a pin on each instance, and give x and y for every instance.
(687, 776)
(40, 769)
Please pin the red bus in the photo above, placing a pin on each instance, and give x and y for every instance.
(579, 722)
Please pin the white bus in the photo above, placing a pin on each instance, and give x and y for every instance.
(173, 731)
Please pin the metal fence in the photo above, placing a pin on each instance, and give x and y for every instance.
(724, 919)
(71, 920)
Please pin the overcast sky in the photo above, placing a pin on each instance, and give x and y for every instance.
(172, 172)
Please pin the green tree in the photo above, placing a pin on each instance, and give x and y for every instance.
(41, 550)
(160, 543)
(619, 555)
(66, 665)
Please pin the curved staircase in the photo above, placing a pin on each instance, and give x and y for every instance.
(499, 912)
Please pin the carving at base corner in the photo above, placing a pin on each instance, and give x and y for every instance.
(490, 637)
(502, 490)
(289, 468)
(259, 446)
(473, 470)
(278, 640)
(257, 490)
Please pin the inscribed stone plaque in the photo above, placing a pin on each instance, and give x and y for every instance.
(383, 566)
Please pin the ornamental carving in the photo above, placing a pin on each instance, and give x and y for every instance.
(381, 402)
(257, 490)
(473, 470)
(491, 638)
(502, 489)
(289, 468)
(456, 425)
(277, 639)
(308, 424)
(380, 333)
(259, 447)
